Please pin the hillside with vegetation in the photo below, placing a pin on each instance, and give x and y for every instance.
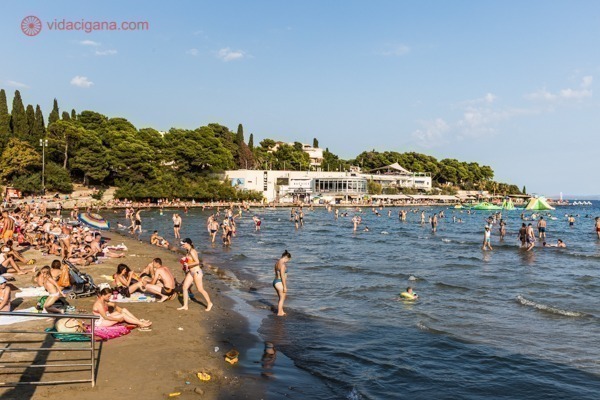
(99, 151)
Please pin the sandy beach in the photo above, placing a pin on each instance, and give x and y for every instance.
(153, 364)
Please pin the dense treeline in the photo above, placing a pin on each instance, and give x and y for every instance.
(95, 150)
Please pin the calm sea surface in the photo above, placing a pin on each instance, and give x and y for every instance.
(488, 324)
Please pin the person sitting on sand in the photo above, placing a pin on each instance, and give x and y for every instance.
(111, 314)
(8, 264)
(158, 240)
(162, 283)
(99, 251)
(126, 278)
(5, 295)
(44, 278)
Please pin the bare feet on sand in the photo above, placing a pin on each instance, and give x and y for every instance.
(208, 308)
(182, 308)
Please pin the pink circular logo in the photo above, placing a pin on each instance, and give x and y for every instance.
(31, 25)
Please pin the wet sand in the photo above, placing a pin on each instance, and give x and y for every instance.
(148, 365)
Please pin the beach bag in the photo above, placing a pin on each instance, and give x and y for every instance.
(64, 279)
(123, 291)
(69, 325)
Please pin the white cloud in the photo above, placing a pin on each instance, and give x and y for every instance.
(193, 52)
(226, 54)
(481, 121)
(565, 94)
(17, 84)
(488, 98)
(106, 52)
(432, 134)
(89, 43)
(81, 81)
(395, 50)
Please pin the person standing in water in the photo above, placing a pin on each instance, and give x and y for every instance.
(280, 281)
(502, 229)
(176, 225)
(434, 222)
(487, 239)
(137, 225)
(598, 227)
(541, 225)
(193, 275)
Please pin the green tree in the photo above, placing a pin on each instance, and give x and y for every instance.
(524, 191)
(239, 137)
(54, 114)
(18, 158)
(196, 151)
(5, 131)
(19, 118)
(90, 158)
(66, 116)
(39, 129)
(315, 143)
(374, 187)
(251, 142)
(62, 138)
(73, 114)
(30, 117)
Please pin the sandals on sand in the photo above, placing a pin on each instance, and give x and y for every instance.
(144, 329)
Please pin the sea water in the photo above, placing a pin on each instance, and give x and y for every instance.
(488, 324)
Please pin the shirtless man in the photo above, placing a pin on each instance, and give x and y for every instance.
(530, 237)
(176, 225)
(541, 225)
(598, 227)
(8, 227)
(434, 222)
(213, 228)
(162, 283)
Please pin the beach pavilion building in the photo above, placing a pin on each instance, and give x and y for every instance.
(347, 186)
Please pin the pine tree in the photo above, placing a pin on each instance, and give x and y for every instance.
(251, 142)
(18, 119)
(239, 138)
(73, 115)
(315, 143)
(66, 116)
(4, 120)
(39, 130)
(54, 115)
(30, 114)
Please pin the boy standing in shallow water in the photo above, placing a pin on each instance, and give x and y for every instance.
(487, 239)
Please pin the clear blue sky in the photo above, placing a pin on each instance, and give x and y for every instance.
(509, 84)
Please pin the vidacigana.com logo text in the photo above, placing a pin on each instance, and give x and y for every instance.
(32, 25)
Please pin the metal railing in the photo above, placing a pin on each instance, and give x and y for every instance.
(91, 349)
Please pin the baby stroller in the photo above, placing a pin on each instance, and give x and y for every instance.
(82, 284)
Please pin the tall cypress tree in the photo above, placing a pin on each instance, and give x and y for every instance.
(315, 143)
(73, 115)
(524, 190)
(4, 120)
(30, 114)
(251, 141)
(54, 115)
(66, 116)
(39, 129)
(239, 138)
(18, 119)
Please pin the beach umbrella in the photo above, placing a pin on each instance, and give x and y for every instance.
(93, 220)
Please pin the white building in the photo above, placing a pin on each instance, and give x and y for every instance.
(314, 153)
(306, 185)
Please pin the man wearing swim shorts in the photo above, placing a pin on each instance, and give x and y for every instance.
(163, 282)
(542, 227)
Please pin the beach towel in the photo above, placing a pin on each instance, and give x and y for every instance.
(68, 337)
(110, 332)
(119, 247)
(134, 298)
(32, 292)
(9, 320)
